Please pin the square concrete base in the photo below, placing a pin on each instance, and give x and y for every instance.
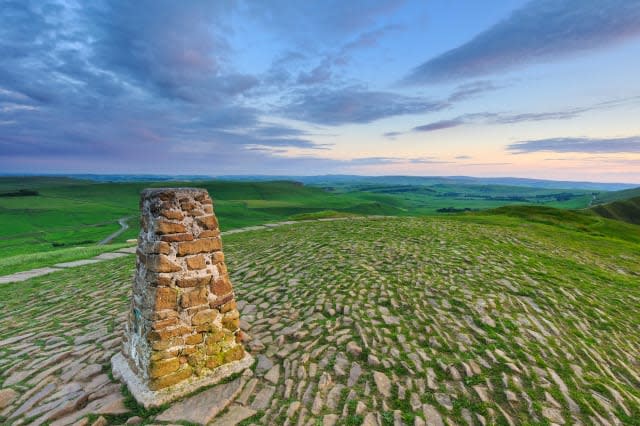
(148, 398)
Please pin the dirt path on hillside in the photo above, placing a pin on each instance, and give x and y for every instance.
(123, 227)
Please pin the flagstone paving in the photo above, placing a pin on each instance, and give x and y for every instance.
(375, 322)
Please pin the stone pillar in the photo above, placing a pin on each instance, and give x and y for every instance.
(182, 330)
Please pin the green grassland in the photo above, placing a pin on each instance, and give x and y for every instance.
(625, 210)
(428, 199)
(70, 212)
(608, 197)
(516, 316)
(45, 214)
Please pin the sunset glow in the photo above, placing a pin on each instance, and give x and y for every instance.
(540, 89)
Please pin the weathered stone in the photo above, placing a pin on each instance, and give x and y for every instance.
(100, 421)
(196, 297)
(230, 306)
(207, 222)
(156, 247)
(383, 383)
(172, 214)
(247, 392)
(330, 420)
(203, 407)
(234, 354)
(373, 361)
(7, 396)
(444, 400)
(293, 409)
(553, 415)
(33, 400)
(482, 393)
(333, 397)
(231, 324)
(264, 364)
(202, 245)
(354, 349)
(197, 281)
(263, 398)
(235, 414)
(163, 367)
(196, 262)
(221, 287)
(170, 379)
(354, 374)
(205, 317)
(167, 335)
(273, 375)
(88, 372)
(166, 227)
(166, 298)
(173, 238)
(370, 420)
(164, 323)
(161, 263)
(432, 416)
(325, 381)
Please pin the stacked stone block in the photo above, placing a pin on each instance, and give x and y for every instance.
(183, 322)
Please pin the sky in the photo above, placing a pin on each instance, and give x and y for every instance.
(542, 89)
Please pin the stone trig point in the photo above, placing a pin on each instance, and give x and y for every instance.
(182, 331)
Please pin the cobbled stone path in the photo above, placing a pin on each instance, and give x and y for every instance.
(374, 322)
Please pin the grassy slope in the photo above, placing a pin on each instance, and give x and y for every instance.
(427, 199)
(625, 210)
(581, 221)
(23, 262)
(71, 213)
(607, 197)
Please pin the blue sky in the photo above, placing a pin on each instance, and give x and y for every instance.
(542, 88)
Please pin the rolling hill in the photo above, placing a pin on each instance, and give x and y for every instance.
(625, 194)
(627, 210)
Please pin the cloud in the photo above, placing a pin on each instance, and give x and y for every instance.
(439, 125)
(323, 65)
(272, 130)
(510, 118)
(584, 145)
(542, 30)
(392, 135)
(319, 74)
(176, 51)
(373, 161)
(470, 90)
(327, 22)
(463, 157)
(108, 84)
(353, 105)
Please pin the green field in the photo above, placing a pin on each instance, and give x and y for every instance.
(45, 214)
(625, 210)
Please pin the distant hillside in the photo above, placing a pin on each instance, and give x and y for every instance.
(626, 210)
(340, 180)
(582, 221)
(625, 194)
(333, 180)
